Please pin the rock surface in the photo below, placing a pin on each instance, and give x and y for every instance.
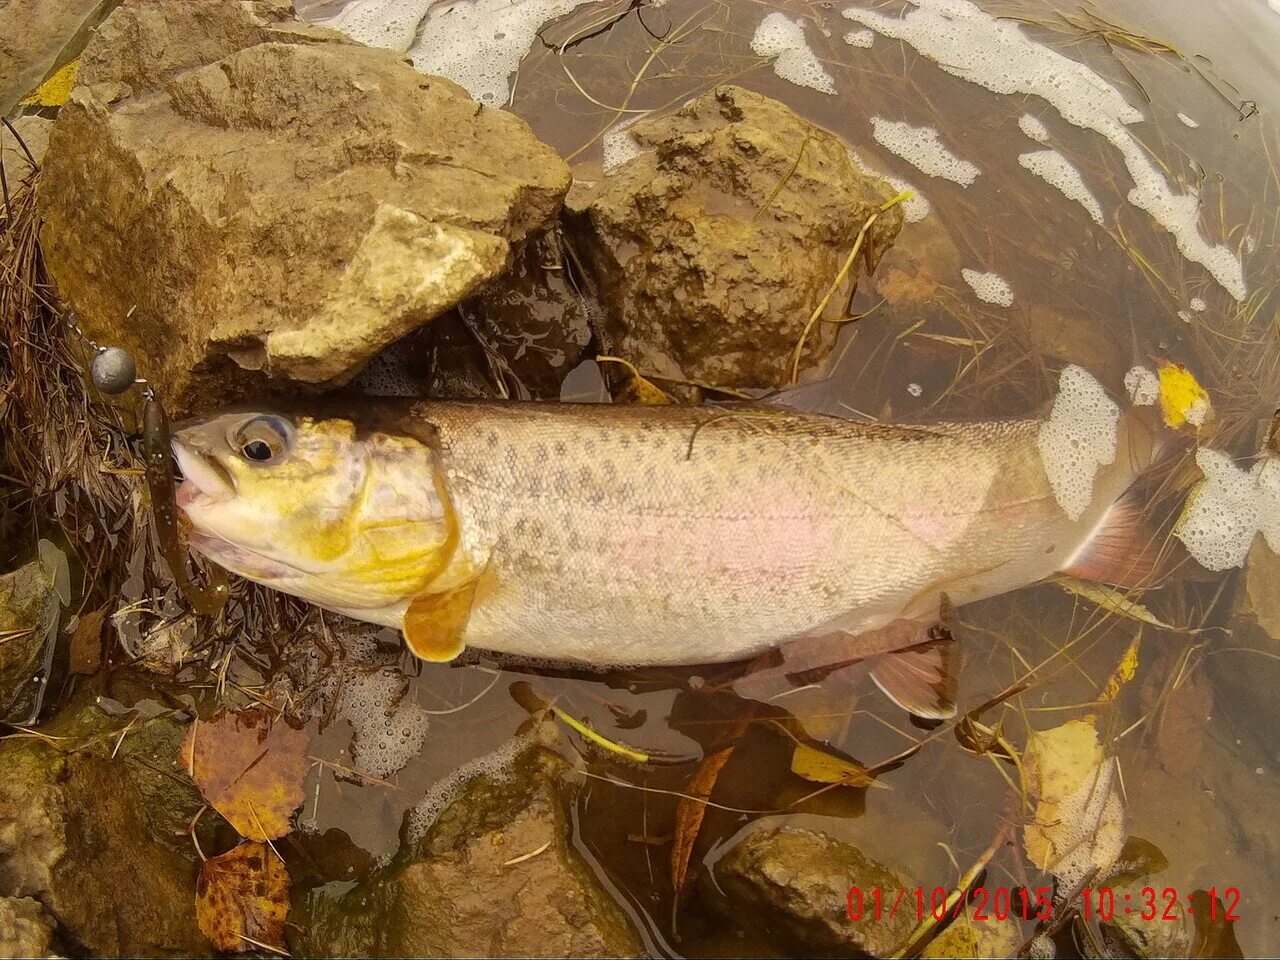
(73, 836)
(25, 929)
(494, 874)
(34, 131)
(268, 198)
(27, 602)
(789, 885)
(712, 249)
(33, 37)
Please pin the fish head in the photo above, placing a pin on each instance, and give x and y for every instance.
(314, 506)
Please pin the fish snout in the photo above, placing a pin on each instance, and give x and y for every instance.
(204, 479)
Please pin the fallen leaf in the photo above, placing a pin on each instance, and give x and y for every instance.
(1078, 827)
(1182, 399)
(86, 643)
(692, 808)
(242, 898)
(54, 91)
(635, 387)
(1125, 670)
(1179, 718)
(1114, 601)
(824, 766)
(249, 767)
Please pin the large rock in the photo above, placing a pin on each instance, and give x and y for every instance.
(34, 36)
(28, 602)
(231, 192)
(30, 144)
(73, 835)
(712, 249)
(790, 886)
(495, 873)
(25, 929)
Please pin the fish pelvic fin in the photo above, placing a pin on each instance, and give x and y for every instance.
(923, 679)
(1124, 549)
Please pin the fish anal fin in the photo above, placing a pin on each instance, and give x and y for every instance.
(923, 680)
(435, 623)
(1123, 550)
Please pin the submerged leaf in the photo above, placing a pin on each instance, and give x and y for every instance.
(827, 766)
(242, 899)
(86, 643)
(635, 387)
(249, 767)
(1114, 601)
(1125, 671)
(1078, 827)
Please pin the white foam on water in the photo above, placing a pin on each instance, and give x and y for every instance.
(390, 728)
(860, 38)
(496, 764)
(1184, 316)
(1034, 128)
(480, 43)
(915, 389)
(1228, 509)
(915, 208)
(1250, 243)
(1142, 385)
(1078, 438)
(921, 148)
(1188, 121)
(1197, 304)
(783, 38)
(1057, 171)
(977, 47)
(380, 23)
(988, 287)
(619, 145)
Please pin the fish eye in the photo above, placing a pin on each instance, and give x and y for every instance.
(263, 440)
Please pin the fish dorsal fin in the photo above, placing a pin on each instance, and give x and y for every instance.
(924, 679)
(1123, 550)
(435, 623)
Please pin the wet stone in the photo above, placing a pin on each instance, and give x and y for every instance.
(790, 885)
(28, 604)
(25, 929)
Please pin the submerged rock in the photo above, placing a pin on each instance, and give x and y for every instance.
(31, 141)
(488, 868)
(712, 249)
(267, 199)
(27, 604)
(967, 937)
(73, 835)
(25, 929)
(790, 885)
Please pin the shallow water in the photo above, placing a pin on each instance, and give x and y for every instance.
(1198, 780)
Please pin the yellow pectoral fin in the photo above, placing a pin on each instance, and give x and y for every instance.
(435, 623)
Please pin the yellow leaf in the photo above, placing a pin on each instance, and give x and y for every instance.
(1124, 671)
(54, 91)
(1114, 601)
(823, 767)
(242, 899)
(1182, 399)
(636, 388)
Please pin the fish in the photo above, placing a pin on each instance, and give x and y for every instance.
(624, 536)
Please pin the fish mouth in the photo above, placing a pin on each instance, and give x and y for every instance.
(204, 480)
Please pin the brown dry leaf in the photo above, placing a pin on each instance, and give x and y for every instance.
(86, 643)
(1179, 720)
(824, 766)
(634, 386)
(242, 898)
(249, 767)
(692, 807)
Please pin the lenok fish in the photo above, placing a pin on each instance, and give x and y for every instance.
(651, 535)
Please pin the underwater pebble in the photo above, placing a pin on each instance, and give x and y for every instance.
(921, 148)
(1057, 171)
(989, 287)
(993, 53)
(112, 370)
(781, 37)
(1077, 439)
(1143, 386)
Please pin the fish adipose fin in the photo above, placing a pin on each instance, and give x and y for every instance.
(1123, 550)
(435, 623)
(924, 679)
